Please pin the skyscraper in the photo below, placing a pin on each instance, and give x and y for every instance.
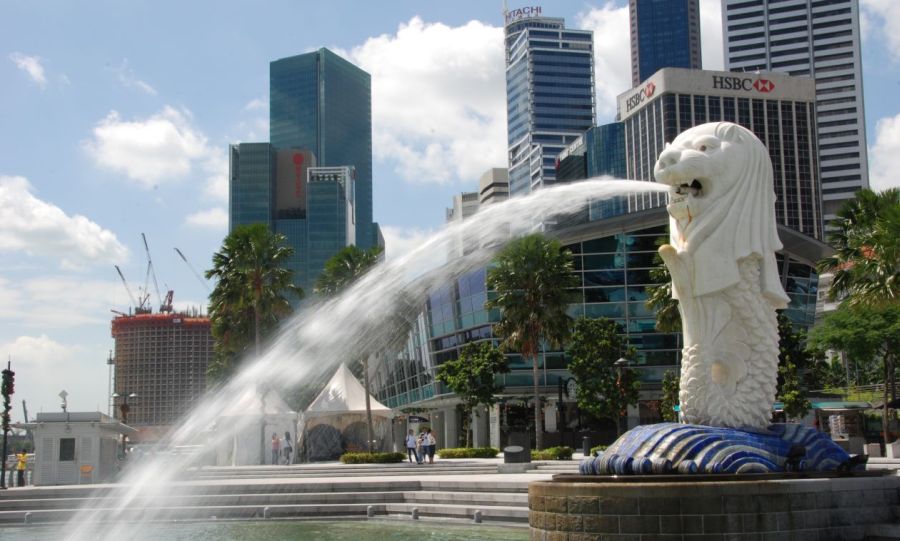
(313, 207)
(321, 102)
(778, 108)
(821, 40)
(664, 34)
(549, 94)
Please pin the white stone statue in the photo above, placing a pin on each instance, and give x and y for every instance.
(721, 255)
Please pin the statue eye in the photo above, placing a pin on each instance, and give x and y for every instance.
(702, 148)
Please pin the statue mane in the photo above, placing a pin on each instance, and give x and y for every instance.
(738, 220)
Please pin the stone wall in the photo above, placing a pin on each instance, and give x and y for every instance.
(567, 509)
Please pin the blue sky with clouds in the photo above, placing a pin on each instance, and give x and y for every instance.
(115, 119)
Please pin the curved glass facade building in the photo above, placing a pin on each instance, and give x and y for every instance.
(613, 258)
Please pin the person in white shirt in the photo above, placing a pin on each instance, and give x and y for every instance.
(411, 445)
(431, 443)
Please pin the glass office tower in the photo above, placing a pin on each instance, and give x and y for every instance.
(819, 39)
(664, 34)
(549, 95)
(321, 102)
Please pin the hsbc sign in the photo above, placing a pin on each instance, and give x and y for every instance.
(746, 84)
(638, 97)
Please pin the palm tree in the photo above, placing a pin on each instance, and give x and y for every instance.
(532, 278)
(866, 241)
(252, 286)
(341, 270)
(344, 267)
(659, 296)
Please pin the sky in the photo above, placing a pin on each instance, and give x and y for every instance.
(115, 119)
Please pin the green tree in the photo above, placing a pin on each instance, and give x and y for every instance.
(866, 242)
(253, 293)
(341, 270)
(659, 296)
(792, 350)
(670, 388)
(344, 267)
(791, 393)
(869, 335)
(532, 279)
(472, 377)
(604, 389)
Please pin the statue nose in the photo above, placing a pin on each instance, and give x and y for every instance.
(669, 157)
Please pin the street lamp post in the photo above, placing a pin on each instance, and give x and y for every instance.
(123, 413)
(621, 365)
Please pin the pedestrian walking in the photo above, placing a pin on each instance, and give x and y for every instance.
(288, 448)
(411, 446)
(21, 465)
(276, 448)
(431, 442)
(420, 448)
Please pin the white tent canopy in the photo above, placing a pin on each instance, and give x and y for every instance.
(344, 394)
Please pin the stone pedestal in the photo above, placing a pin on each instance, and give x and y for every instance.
(710, 507)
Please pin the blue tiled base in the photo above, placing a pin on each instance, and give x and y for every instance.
(680, 448)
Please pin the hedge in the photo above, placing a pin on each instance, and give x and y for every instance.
(468, 452)
(372, 458)
(553, 453)
(598, 449)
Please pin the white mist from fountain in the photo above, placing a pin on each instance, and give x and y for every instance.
(361, 320)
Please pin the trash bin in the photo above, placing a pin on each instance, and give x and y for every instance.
(516, 454)
(586, 446)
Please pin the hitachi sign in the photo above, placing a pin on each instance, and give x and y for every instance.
(724, 82)
(521, 13)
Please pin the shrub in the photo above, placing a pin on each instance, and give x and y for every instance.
(597, 449)
(469, 452)
(372, 458)
(553, 453)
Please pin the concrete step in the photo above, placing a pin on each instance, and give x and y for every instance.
(206, 512)
(882, 532)
(268, 499)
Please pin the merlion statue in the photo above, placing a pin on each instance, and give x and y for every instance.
(721, 255)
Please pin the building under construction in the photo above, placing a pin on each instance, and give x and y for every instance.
(161, 359)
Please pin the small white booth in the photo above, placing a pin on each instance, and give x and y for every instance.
(246, 428)
(335, 422)
(76, 448)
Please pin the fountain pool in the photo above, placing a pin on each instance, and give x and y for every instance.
(346, 530)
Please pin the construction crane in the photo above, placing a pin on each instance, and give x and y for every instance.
(151, 272)
(197, 274)
(127, 289)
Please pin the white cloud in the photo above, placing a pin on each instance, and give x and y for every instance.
(257, 104)
(126, 77)
(399, 241)
(216, 167)
(882, 17)
(158, 149)
(612, 56)
(214, 218)
(711, 34)
(44, 367)
(32, 226)
(30, 65)
(57, 302)
(884, 155)
(438, 99)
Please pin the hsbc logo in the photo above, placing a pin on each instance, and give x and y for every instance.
(747, 84)
(763, 85)
(638, 97)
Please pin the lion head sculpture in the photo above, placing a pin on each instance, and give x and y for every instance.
(722, 206)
